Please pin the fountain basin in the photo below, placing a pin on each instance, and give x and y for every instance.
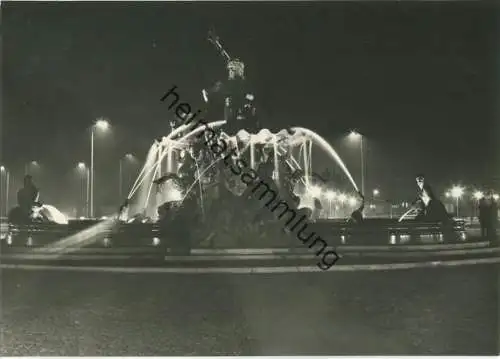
(148, 237)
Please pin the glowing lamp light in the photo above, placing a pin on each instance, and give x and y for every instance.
(496, 197)
(352, 201)
(448, 194)
(82, 218)
(2, 168)
(342, 198)
(81, 166)
(457, 192)
(104, 217)
(354, 135)
(315, 191)
(376, 192)
(330, 195)
(102, 124)
(478, 195)
(156, 241)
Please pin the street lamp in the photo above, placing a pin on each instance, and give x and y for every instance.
(6, 173)
(357, 136)
(83, 169)
(457, 192)
(376, 192)
(477, 196)
(28, 166)
(100, 125)
(127, 157)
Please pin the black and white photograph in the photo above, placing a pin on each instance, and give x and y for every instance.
(250, 178)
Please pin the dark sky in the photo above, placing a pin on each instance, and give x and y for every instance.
(420, 80)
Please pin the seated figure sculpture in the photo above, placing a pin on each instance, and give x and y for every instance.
(431, 208)
(357, 215)
(27, 199)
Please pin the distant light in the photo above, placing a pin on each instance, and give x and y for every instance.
(29, 242)
(249, 97)
(330, 195)
(376, 192)
(457, 192)
(81, 166)
(496, 197)
(9, 239)
(352, 201)
(156, 241)
(314, 191)
(354, 135)
(104, 217)
(106, 242)
(102, 124)
(448, 194)
(342, 198)
(478, 195)
(82, 218)
(129, 156)
(2, 168)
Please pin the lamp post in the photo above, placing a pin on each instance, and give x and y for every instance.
(28, 166)
(477, 196)
(357, 136)
(85, 185)
(6, 173)
(457, 192)
(102, 125)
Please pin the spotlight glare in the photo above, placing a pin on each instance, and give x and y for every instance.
(478, 195)
(352, 201)
(102, 124)
(330, 195)
(457, 192)
(315, 191)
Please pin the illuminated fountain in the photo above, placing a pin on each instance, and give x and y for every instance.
(291, 147)
(180, 167)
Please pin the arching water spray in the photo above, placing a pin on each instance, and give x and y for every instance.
(329, 150)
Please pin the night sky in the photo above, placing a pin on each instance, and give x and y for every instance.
(419, 80)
